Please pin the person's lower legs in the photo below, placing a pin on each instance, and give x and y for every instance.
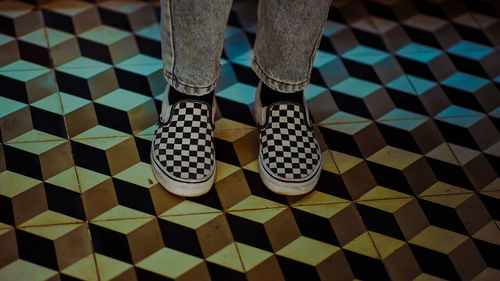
(288, 35)
(192, 42)
(182, 150)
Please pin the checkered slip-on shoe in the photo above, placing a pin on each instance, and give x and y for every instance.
(182, 151)
(289, 154)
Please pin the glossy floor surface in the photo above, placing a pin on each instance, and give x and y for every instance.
(405, 96)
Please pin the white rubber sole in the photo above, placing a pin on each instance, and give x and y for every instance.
(288, 188)
(186, 189)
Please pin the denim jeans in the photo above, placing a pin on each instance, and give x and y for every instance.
(288, 35)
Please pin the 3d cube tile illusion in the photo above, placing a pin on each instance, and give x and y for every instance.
(406, 103)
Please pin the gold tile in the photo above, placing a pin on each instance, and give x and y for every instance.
(387, 205)
(140, 230)
(140, 174)
(278, 223)
(251, 256)
(324, 210)
(15, 119)
(394, 157)
(84, 269)
(252, 166)
(228, 257)
(488, 274)
(467, 206)
(385, 245)
(308, 251)
(83, 15)
(175, 265)
(315, 198)
(8, 245)
(51, 218)
(354, 172)
(427, 277)
(380, 192)
(23, 270)
(121, 212)
(230, 184)
(459, 249)
(328, 261)
(244, 138)
(255, 202)
(441, 188)
(27, 196)
(363, 245)
(439, 239)
(489, 233)
(259, 215)
(61, 237)
(112, 269)
(54, 153)
(66, 179)
(98, 192)
(328, 162)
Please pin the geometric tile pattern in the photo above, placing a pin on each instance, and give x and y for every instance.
(405, 97)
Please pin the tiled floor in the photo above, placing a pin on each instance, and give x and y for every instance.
(405, 95)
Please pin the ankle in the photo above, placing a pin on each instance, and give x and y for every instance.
(269, 96)
(175, 96)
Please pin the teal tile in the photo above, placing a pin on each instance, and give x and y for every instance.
(84, 67)
(411, 84)
(230, 31)
(4, 39)
(122, 99)
(147, 133)
(331, 28)
(152, 32)
(365, 55)
(313, 90)
(50, 103)
(57, 37)
(8, 106)
(402, 119)
(236, 44)
(496, 111)
(71, 103)
(104, 34)
(39, 37)
(470, 50)
(23, 71)
(356, 87)
(239, 92)
(459, 116)
(36, 37)
(99, 132)
(344, 117)
(141, 64)
(398, 113)
(455, 110)
(323, 58)
(465, 82)
(244, 59)
(418, 52)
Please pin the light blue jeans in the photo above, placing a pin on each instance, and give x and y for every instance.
(288, 35)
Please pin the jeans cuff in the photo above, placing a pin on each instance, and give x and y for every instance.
(188, 89)
(281, 86)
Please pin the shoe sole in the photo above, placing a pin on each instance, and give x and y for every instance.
(288, 188)
(185, 189)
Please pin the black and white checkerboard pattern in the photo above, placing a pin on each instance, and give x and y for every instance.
(184, 145)
(289, 148)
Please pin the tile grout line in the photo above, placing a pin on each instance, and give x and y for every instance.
(71, 149)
